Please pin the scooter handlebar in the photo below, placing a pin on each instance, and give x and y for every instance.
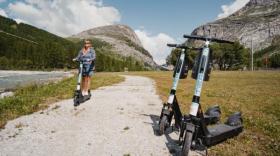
(204, 38)
(78, 60)
(171, 45)
(182, 46)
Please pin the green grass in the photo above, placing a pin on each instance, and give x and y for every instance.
(255, 94)
(36, 97)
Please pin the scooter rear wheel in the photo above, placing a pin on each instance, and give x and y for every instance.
(162, 124)
(187, 144)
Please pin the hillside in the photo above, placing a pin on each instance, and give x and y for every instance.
(37, 49)
(51, 51)
(123, 40)
(257, 23)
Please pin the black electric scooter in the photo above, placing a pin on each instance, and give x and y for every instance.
(78, 96)
(197, 134)
(171, 107)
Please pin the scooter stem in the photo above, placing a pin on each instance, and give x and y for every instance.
(200, 77)
(176, 78)
(80, 76)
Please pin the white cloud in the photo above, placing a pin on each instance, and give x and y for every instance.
(20, 21)
(3, 13)
(156, 44)
(231, 8)
(64, 17)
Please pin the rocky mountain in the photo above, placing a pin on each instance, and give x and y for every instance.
(124, 42)
(257, 21)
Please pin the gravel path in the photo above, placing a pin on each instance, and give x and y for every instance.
(118, 120)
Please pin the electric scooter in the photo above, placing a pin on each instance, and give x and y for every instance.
(78, 96)
(197, 134)
(171, 107)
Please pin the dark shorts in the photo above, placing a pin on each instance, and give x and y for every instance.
(88, 69)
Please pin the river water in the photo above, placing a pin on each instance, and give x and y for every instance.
(13, 79)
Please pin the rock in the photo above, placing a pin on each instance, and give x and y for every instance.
(123, 40)
(111, 30)
(258, 20)
(6, 94)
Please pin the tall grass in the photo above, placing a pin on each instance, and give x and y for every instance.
(35, 97)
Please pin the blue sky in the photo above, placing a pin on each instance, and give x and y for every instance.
(156, 22)
(173, 17)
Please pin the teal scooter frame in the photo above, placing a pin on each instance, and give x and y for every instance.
(171, 108)
(197, 134)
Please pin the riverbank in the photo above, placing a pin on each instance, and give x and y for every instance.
(35, 97)
(11, 80)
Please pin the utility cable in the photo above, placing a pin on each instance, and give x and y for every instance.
(1, 31)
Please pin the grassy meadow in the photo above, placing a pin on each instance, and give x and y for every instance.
(35, 97)
(255, 94)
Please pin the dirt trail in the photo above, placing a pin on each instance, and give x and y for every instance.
(118, 120)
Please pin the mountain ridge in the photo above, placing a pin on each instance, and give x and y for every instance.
(123, 39)
(18, 50)
(109, 30)
(257, 23)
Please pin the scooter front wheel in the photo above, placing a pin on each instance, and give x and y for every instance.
(163, 124)
(76, 101)
(187, 144)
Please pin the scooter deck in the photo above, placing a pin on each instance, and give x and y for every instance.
(86, 97)
(79, 98)
(221, 132)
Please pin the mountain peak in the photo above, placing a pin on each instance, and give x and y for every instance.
(123, 39)
(116, 30)
(257, 21)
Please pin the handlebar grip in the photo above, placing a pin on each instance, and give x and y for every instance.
(182, 46)
(195, 37)
(204, 38)
(171, 45)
